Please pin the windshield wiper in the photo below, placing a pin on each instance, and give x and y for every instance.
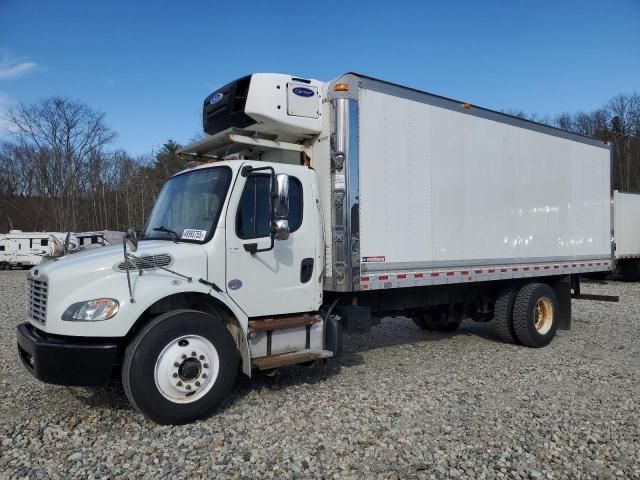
(162, 228)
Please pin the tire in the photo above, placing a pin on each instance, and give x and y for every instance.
(535, 315)
(503, 315)
(190, 348)
(440, 319)
(628, 270)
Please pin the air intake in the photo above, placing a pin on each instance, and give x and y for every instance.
(148, 262)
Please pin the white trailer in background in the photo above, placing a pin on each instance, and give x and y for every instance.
(20, 249)
(90, 239)
(24, 249)
(323, 207)
(626, 227)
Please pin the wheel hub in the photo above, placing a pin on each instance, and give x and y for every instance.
(543, 315)
(186, 369)
(189, 369)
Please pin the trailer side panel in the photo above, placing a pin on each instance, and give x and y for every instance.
(445, 189)
(627, 224)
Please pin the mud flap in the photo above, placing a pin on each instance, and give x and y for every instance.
(563, 292)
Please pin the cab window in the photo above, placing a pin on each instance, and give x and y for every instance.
(254, 211)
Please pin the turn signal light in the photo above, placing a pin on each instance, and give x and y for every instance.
(341, 87)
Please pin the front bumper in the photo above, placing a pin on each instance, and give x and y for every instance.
(65, 360)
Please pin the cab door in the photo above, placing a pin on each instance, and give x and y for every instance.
(282, 279)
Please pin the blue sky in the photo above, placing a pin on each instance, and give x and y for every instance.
(149, 65)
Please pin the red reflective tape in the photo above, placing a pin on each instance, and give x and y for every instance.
(526, 269)
(383, 277)
(435, 274)
(536, 268)
(514, 269)
(556, 266)
(401, 276)
(546, 267)
(574, 265)
(503, 269)
(591, 264)
(419, 275)
(491, 270)
(478, 271)
(450, 273)
(565, 266)
(464, 272)
(364, 279)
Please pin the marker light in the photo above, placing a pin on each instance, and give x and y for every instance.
(341, 87)
(466, 105)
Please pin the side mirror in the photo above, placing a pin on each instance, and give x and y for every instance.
(281, 207)
(132, 239)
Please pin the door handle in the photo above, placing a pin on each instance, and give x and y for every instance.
(306, 270)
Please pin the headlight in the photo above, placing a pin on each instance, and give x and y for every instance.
(91, 310)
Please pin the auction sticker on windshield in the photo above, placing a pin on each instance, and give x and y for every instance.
(192, 234)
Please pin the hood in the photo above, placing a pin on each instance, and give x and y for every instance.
(101, 269)
(99, 273)
(107, 258)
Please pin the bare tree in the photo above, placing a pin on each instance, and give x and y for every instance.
(67, 134)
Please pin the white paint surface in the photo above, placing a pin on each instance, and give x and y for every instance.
(627, 224)
(437, 185)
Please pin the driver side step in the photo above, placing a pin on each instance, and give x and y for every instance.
(282, 359)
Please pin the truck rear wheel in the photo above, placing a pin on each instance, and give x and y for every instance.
(535, 314)
(180, 367)
(503, 315)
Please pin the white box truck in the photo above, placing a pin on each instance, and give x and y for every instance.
(319, 208)
(626, 224)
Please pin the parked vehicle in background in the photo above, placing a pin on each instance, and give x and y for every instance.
(626, 224)
(321, 208)
(20, 249)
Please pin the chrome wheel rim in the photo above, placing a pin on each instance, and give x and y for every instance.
(186, 369)
(543, 315)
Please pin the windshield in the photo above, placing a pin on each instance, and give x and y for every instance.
(189, 205)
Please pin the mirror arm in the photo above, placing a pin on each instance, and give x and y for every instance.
(248, 170)
(252, 248)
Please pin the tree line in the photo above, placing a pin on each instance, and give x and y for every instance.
(618, 123)
(59, 171)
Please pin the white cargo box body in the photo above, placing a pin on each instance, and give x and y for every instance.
(451, 193)
(626, 224)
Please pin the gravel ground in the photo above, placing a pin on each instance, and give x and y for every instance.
(401, 403)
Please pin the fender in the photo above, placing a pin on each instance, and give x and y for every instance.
(235, 319)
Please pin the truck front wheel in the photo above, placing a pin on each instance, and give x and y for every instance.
(535, 315)
(180, 367)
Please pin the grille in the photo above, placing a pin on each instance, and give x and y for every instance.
(145, 263)
(37, 306)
